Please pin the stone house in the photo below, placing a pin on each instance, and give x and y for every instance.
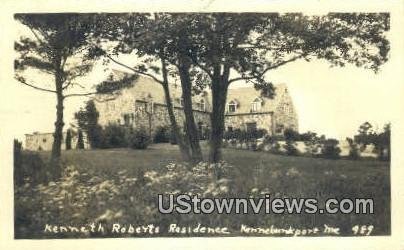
(247, 109)
(143, 105)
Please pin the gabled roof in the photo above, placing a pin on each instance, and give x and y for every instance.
(246, 95)
(243, 96)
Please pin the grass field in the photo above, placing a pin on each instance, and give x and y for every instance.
(281, 176)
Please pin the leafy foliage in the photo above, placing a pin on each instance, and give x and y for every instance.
(353, 149)
(95, 189)
(28, 167)
(138, 139)
(330, 149)
(68, 139)
(60, 48)
(87, 120)
(114, 136)
(162, 135)
(80, 140)
(381, 140)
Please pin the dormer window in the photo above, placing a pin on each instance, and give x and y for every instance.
(256, 105)
(232, 106)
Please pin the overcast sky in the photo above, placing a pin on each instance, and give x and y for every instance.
(330, 101)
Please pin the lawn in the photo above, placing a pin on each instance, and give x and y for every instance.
(281, 176)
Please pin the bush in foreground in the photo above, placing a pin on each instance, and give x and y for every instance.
(162, 135)
(138, 139)
(80, 197)
(330, 149)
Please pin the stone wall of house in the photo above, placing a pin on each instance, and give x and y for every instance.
(39, 141)
(44, 141)
(285, 115)
(153, 118)
(263, 121)
(122, 108)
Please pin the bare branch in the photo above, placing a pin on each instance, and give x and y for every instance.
(78, 94)
(269, 68)
(135, 70)
(36, 36)
(23, 81)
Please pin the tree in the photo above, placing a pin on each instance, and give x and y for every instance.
(291, 137)
(80, 140)
(381, 141)
(87, 120)
(353, 149)
(254, 44)
(59, 49)
(217, 49)
(312, 142)
(68, 139)
(330, 149)
(157, 41)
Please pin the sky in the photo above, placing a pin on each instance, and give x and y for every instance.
(329, 100)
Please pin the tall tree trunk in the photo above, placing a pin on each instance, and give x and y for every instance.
(58, 133)
(191, 128)
(184, 147)
(219, 96)
(220, 85)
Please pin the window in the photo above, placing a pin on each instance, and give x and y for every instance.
(200, 130)
(201, 105)
(251, 126)
(126, 119)
(279, 129)
(232, 107)
(150, 107)
(256, 105)
(230, 128)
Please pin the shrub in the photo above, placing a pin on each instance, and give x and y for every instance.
(290, 148)
(68, 139)
(244, 136)
(380, 140)
(330, 149)
(353, 149)
(95, 136)
(312, 143)
(162, 135)
(87, 120)
(257, 133)
(28, 166)
(138, 139)
(275, 148)
(80, 140)
(252, 145)
(114, 136)
(291, 135)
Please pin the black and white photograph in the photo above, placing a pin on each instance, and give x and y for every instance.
(202, 124)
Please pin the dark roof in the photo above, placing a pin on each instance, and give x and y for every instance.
(246, 95)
